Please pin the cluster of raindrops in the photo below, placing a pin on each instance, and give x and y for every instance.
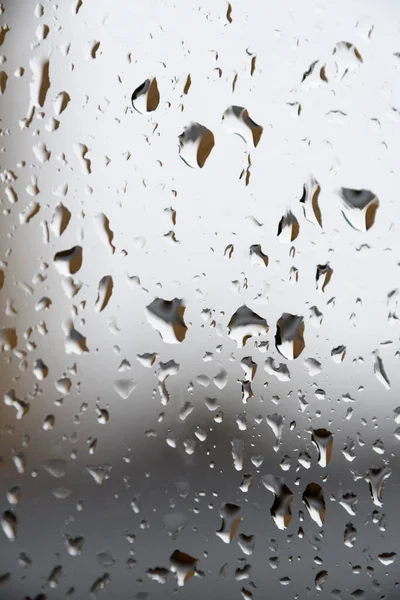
(198, 365)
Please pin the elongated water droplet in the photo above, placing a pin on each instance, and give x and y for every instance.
(9, 525)
(313, 498)
(289, 338)
(281, 510)
(323, 441)
(231, 518)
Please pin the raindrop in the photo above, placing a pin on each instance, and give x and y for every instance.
(167, 317)
(195, 145)
(313, 498)
(99, 472)
(376, 477)
(387, 558)
(146, 97)
(183, 566)
(379, 370)
(289, 339)
(236, 120)
(68, 262)
(246, 543)
(280, 370)
(56, 467)
(231, 518)
(359, 208)
(320, 579)
(257, 256)
(281, 510)
(9, 525)
(8, 339)
(244, 324)
(104, 293)
(323, 276)
(288, 228)
(309, 201)
(350, 535)
(323, 441)
(60, 219)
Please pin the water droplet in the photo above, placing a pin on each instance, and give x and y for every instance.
(238, 454)
(102, 226)
(313, 498)
(323, 441)
(158, 574)
(100, 584)
(61, 493)
(387, 558)
(281, 510)
(376, 477)
(244, 324)
(359, 208)
(309, 201)
(68, 262)
(320, 579)
(8, 339)
(350, 535)
(74, 545)
(99, 472)
(183, 566)
(346, 58)
(379, 371)
(54, 578)
(275, 421)
(61, 102)
(280, 370)
(338, 354)
(231, 518)
(9, 525)
(21, 407)
(349, 502)
(288, 228)
(323, 276)
(146, 97)
(236, 120)
(289, 339)
(56, 467)
(257, 256)
(40, 370)
(167, 317)
(14, 494)
(60, 219)
(195, 145)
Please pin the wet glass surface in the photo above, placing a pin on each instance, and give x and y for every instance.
(199, 288)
